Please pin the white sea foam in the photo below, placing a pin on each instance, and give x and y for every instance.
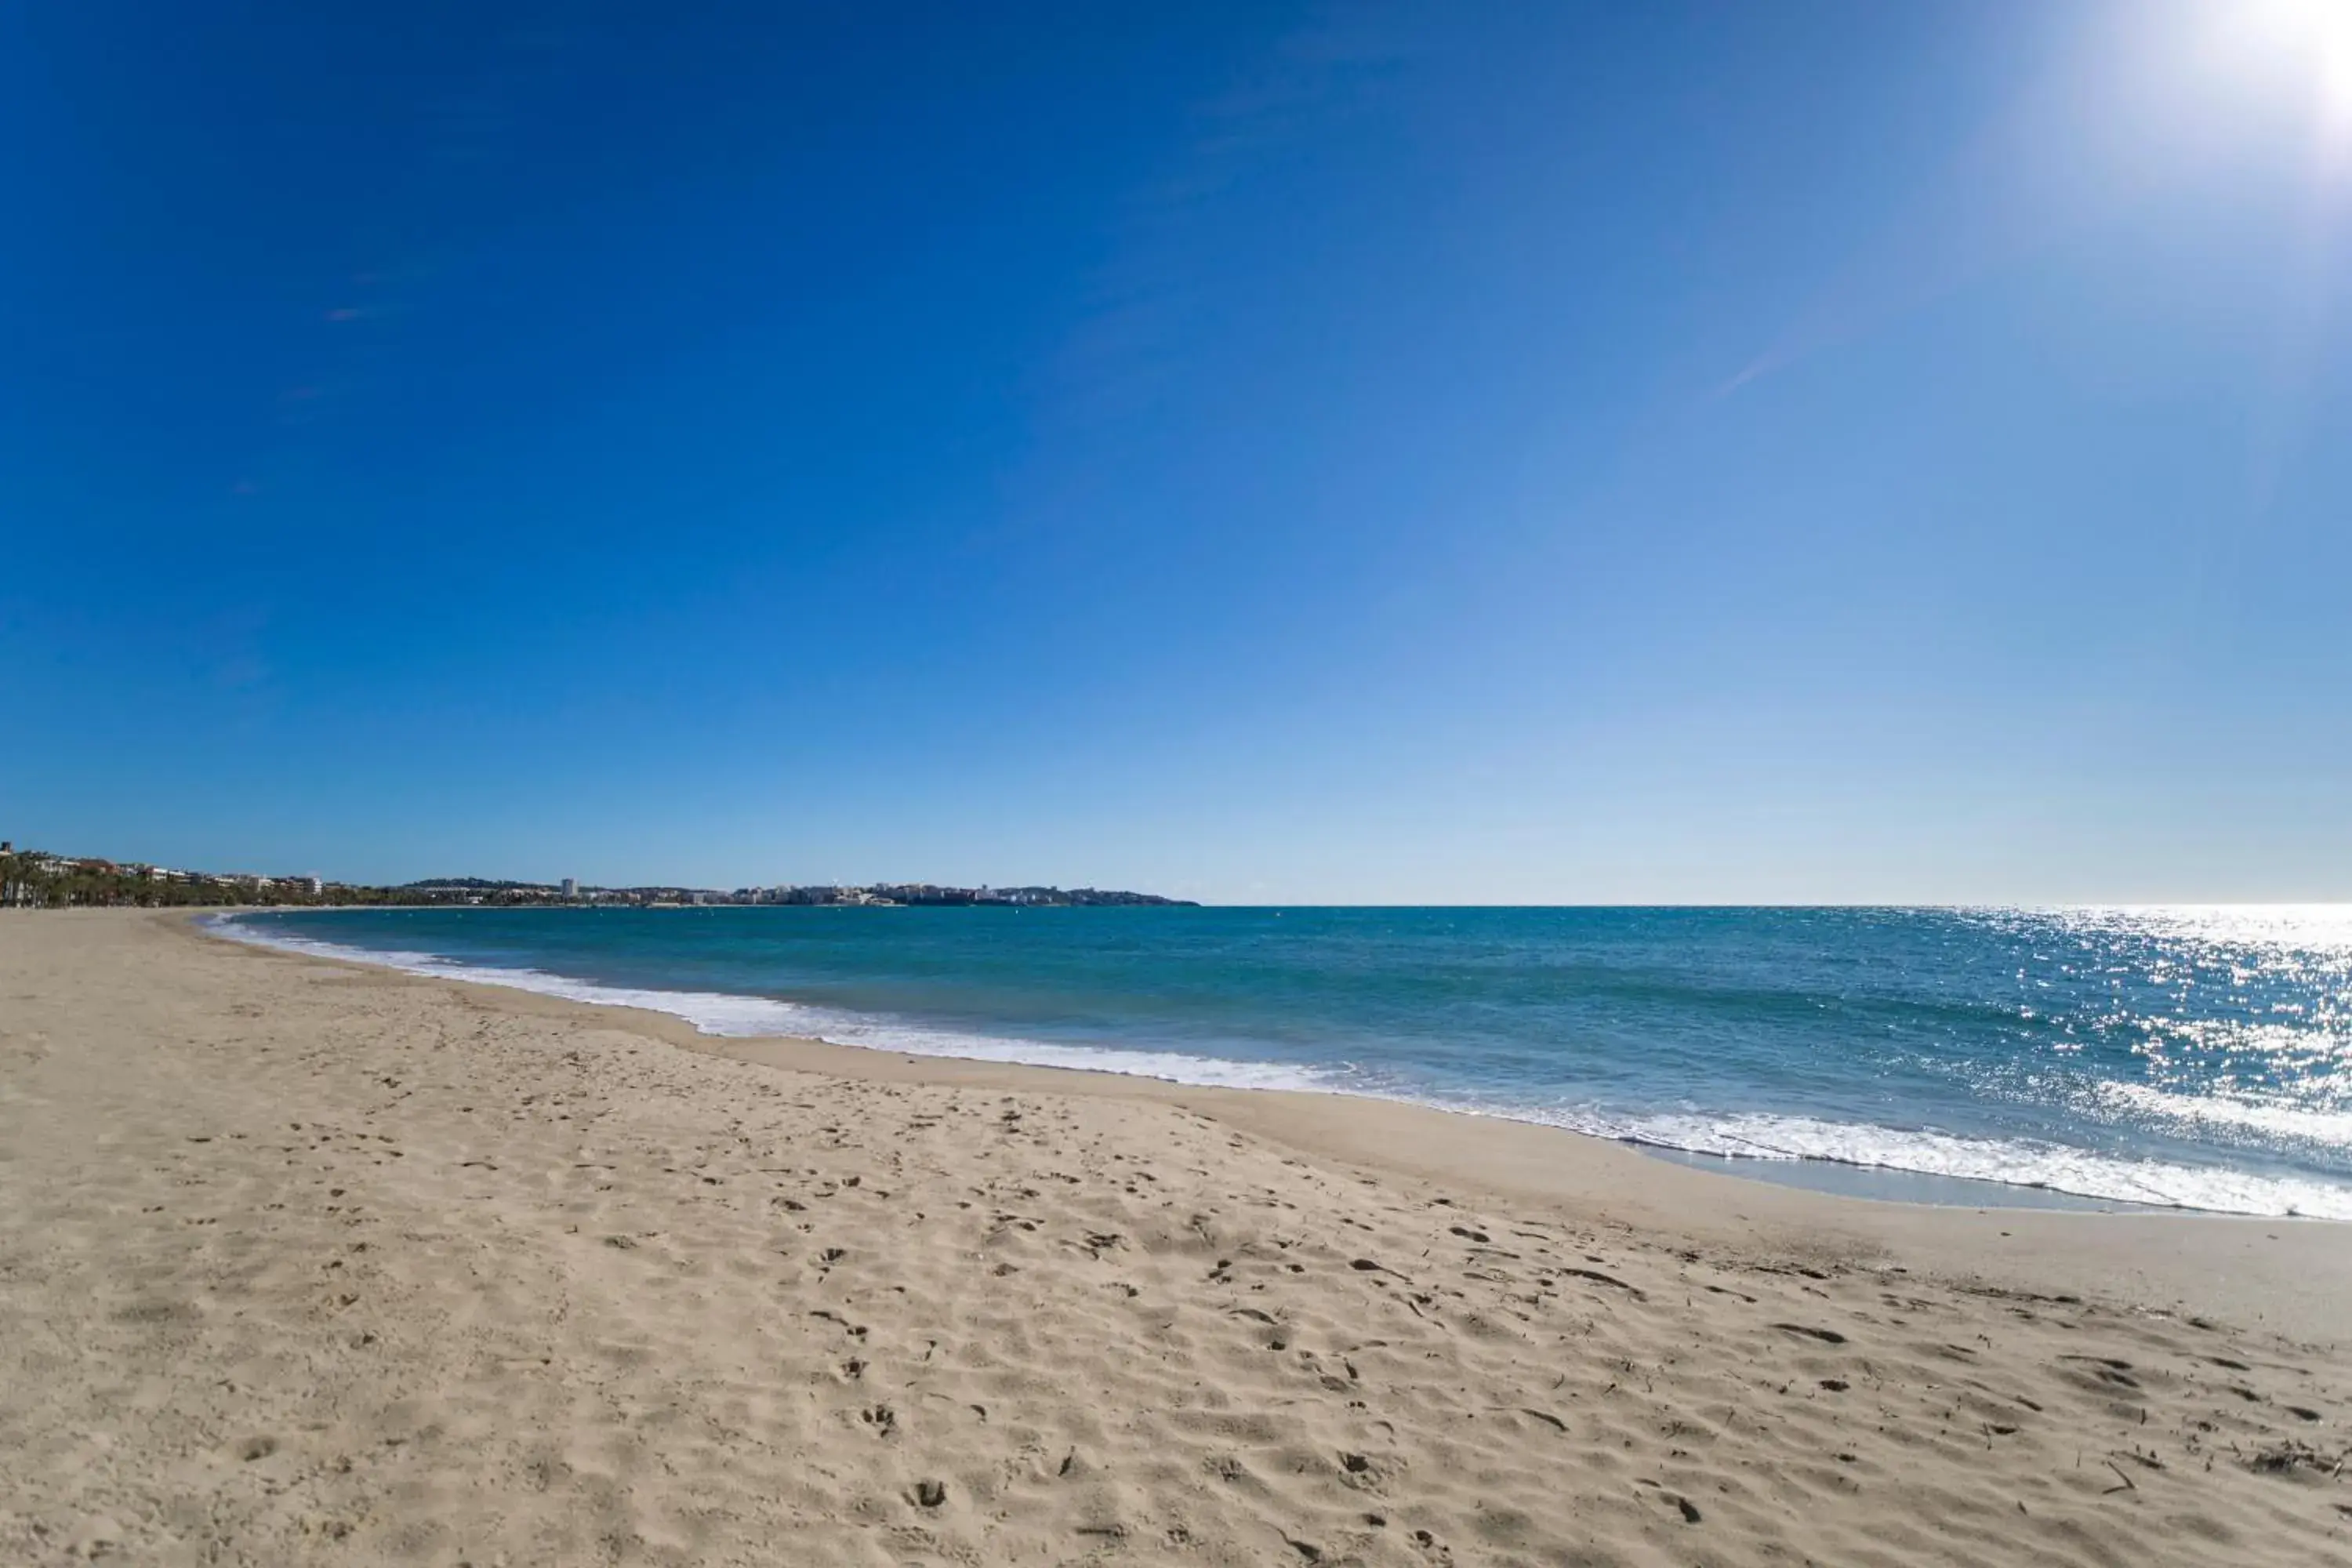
(2007, 1162)
(1736, 1135)
(753, 1018)
(2332, 1128)
(711, 1012)
(1175, 1067)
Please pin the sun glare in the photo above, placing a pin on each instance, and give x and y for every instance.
(2317, 37)
(2336, 69)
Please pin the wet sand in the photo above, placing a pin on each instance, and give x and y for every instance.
(304, 1261)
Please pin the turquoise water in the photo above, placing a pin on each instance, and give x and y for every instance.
(2190, 1058)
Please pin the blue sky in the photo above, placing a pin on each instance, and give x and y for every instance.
(1382, 453)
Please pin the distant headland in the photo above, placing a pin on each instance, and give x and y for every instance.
(35, 878)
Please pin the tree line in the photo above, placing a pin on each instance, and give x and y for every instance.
(32, 880)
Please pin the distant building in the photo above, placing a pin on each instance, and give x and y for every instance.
(571, 887)
(317, 885)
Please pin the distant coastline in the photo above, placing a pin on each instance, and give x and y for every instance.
(38, 879)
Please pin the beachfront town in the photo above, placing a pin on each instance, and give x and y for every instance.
(35, 878)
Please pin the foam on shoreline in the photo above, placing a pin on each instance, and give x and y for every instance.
(1735, 1136)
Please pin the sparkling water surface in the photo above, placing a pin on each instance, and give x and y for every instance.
(2195, 1058)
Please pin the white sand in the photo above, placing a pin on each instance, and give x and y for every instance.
(304, 1262)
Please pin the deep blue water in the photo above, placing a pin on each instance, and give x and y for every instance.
(2197, 1057)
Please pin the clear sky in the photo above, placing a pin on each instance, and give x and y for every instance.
(1540, 453)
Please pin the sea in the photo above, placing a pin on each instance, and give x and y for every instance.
(2194, 1059)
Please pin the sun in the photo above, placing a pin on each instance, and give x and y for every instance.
(2317, 36)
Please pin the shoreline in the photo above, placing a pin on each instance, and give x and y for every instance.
(2217, 1265)
(733, 1016)
(1828, 1174)
(311, 1260)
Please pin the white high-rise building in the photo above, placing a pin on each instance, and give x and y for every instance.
(571, 887)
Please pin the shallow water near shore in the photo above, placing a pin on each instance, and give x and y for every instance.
(2169, 1057)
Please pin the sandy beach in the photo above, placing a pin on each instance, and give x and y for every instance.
(305, 1262)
